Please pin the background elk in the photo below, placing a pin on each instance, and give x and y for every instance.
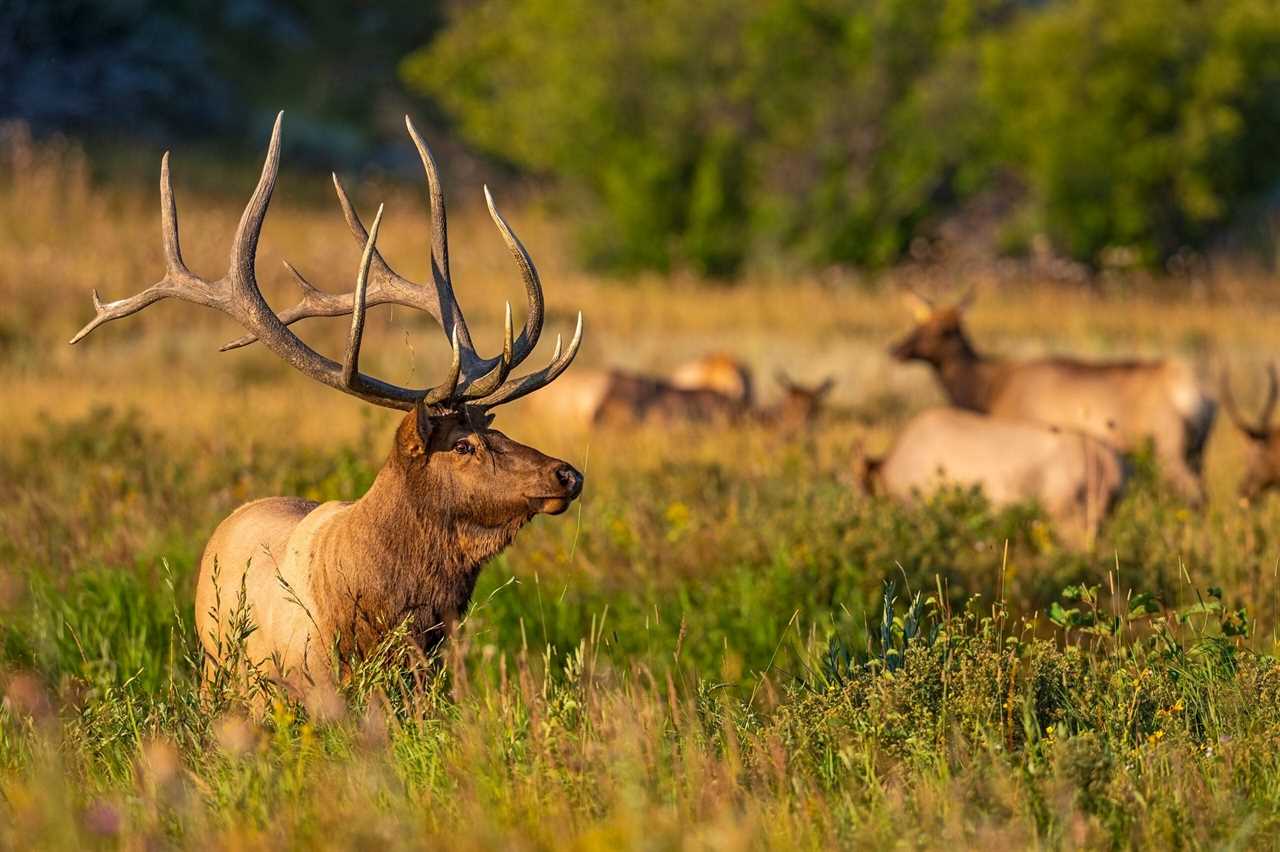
(328, 581)
(1262, 460)
(1074, 477)
(1121, 402)
(624, 398)
(717, 371)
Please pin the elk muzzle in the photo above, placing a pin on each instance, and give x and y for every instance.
(563, 487)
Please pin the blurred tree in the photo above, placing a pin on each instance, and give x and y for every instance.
(1139, 125)
(81, 65)
(701, 132)
(201, 66)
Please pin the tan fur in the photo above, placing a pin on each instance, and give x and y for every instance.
(1123, 403)
(1262, 465)
(1073, 476)
(1262, 437)
(633, 398)
(622, 398)
(719, 372)
(329, 581)
(573, 398)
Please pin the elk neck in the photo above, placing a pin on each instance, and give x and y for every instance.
(402, 551)
(969, 378)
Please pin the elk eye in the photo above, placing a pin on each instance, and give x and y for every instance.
(464, 448)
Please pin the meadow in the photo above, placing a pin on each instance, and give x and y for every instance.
(723, 645)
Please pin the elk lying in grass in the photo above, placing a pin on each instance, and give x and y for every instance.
(327, 582)
(1262, 460)
(1124, 403)
(1074, 477)
(717, 371)
(623, 398)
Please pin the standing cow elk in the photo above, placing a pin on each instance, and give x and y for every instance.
(1124, 403)
(1074, 477)
(328, 582)
(1262, 460)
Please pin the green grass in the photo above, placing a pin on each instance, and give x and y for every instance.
(696, 656)
(706, 654)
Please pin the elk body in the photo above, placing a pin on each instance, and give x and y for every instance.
(1123, 403)
(324, 582)
(624, 398)
(716, 371)
(1074, 477)
(1262, 459)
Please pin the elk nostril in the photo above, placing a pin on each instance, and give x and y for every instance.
(568, 477)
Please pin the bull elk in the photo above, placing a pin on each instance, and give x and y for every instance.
(1262, 459)
(324, 582)
(1123, 403)
(1074, 477)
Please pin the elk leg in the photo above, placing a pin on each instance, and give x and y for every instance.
(1175, 470)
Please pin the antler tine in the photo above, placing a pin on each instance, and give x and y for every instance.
(177, 281)
(1233, 410)
(450, 310)
(489, 382)
(532, 284)
(351, 364)
(1273, 395)
(481, 375)
(516, 388)
(445, 391)
(386, 286)
(237, 293)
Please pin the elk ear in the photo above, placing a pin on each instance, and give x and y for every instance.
(828, 384)
(920, 307)
(422, 420)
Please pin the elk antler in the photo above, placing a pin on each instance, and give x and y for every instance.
(1262, 429)
(238, 295)
(480, 377)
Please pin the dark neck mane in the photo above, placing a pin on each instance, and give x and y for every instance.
(398, 554)
(969, 378)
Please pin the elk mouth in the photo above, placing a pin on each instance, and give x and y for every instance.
(569, 481)
(550, 505)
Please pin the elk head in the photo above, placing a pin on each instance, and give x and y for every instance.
(487, 479)
(1262, 461)
(938, 336)
(444, 445)
(801, 405)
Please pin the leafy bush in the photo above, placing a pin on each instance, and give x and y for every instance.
(1141, 125)
(834, 131)
(696, 133)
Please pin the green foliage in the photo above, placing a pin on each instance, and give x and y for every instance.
(831, 131)
(712, 636)
(697, 133)
(1139, 125)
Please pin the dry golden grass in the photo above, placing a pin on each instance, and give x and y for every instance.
(64, 235)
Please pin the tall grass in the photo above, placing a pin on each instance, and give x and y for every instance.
(702, 653)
